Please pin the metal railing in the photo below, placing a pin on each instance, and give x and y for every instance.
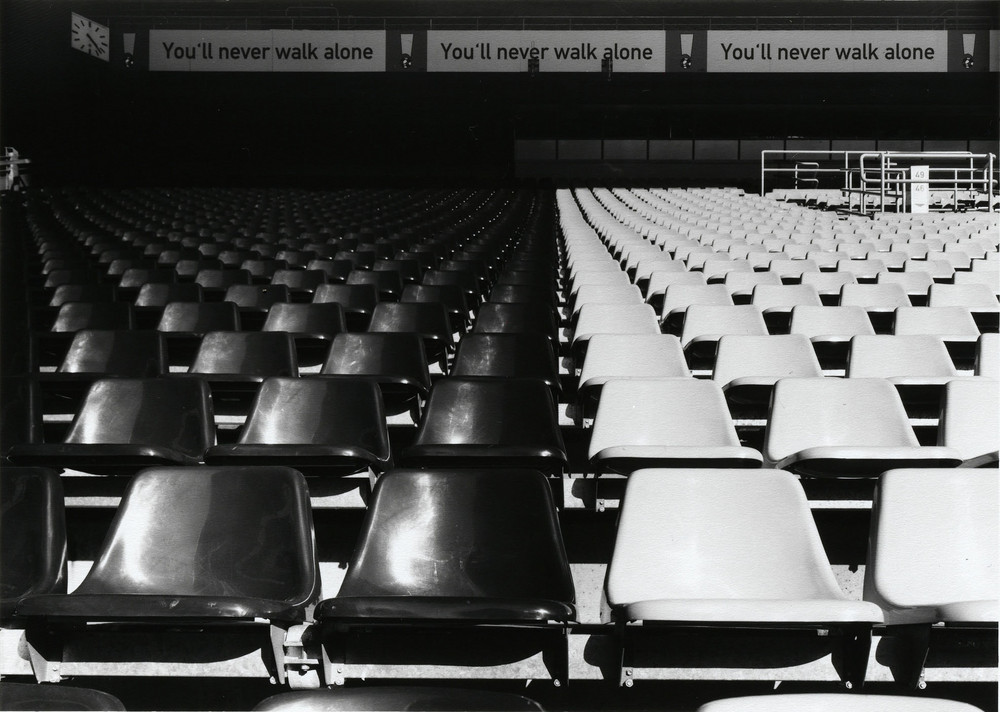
(880, 180)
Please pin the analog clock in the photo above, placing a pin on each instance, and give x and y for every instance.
(90, 37)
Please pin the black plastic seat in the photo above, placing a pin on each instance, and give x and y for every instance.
(193, 546)
(527, 355)
(33, 536)
(427, 319)
(254, 300)
(336, 271)
(311, 326)
(357, 300)
(234, 363)
(125, 424)
(95, 354)
(215, 282)
(466, 281)
(517, 318)
(397, 362)
(83, 293)
(330, 425)
(451, 297)
(299, 280)
(159, 294)
(262, 270)
(454, 550)
(74, 316)
(489, 422)
(185, 323)
(21, 696)
(389, 284)
(395, 698)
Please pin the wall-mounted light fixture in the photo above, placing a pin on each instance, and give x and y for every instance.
(969, 50)
(686, 42)
(128, 40)
(406, 45)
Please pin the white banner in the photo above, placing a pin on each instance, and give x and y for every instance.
(828, 51)
(556, 51)
(266, 51)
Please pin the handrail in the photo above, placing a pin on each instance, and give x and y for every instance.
(888, 180)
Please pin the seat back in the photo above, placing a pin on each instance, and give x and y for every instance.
(199, 317)
(384, 354)
(970, 420)
(469, 533)
(326, 319)
(133, 354)
(32, 535)
(318, 411)
(252, 296)
(933, 542)
(159, 295)
(211, 531)
(898, 356)
(246, 353)
(74, 316)
(753, 532)
(147, 411)
(764, 357)
(527, 355)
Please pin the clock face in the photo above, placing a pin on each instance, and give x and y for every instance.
(90, 37)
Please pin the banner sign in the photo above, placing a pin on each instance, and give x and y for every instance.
(266, 51)
(556, 51)
(827, 51)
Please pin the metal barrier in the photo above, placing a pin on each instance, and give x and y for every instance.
(11, 165)
(880, 181)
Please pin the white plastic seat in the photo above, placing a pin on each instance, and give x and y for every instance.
(741, 284)
(976, 297)
(988, 356)
(970, 420)
(615, 356)
(874, 297)
(937, 269)
(670, 422)
(605, 294)
(611, 319)
(777, 299)
(747, 367)
(915, 360)
(953, 324)
(723, 548)
(866, 269)
(612, 276)
(915, 284)
(990, 279)
(661, 280)
(704, 325)
(828, 284)
(793, 269)
(834, 702)
(850, 427)
(678, 297)
(934, 549)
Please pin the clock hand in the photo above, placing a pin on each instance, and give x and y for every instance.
(93, 42)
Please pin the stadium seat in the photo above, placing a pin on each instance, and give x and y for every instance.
(397, 362)
(830, 330)
(678, 297)
(970, 420)
(932, 559)
(262, 270)
(619, 356)
(125, 424)
(388, 284)
(74, 316)
(747, 366)
(918, 365)
(195, 319)
(662, 279)
(988, 356)
(33, 537)
(311, 326)
(741, 284)
(852, 427)
(28, 697)
(517, 318)
(303, 281)
(611, 319)
(319, 426)
(336, 271)
(527, 355)
(426, 319)
(665, 422)
(979, 299)
(357, 300)
(705, 324)
(397, 697)
(489, 422)
(451, 297)
(950, 324)
(834, 702)
(215, 282)
(159, 295)
(192, 546)
(760, 564)
(500, 571)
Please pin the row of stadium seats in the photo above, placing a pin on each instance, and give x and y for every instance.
(440, 549)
